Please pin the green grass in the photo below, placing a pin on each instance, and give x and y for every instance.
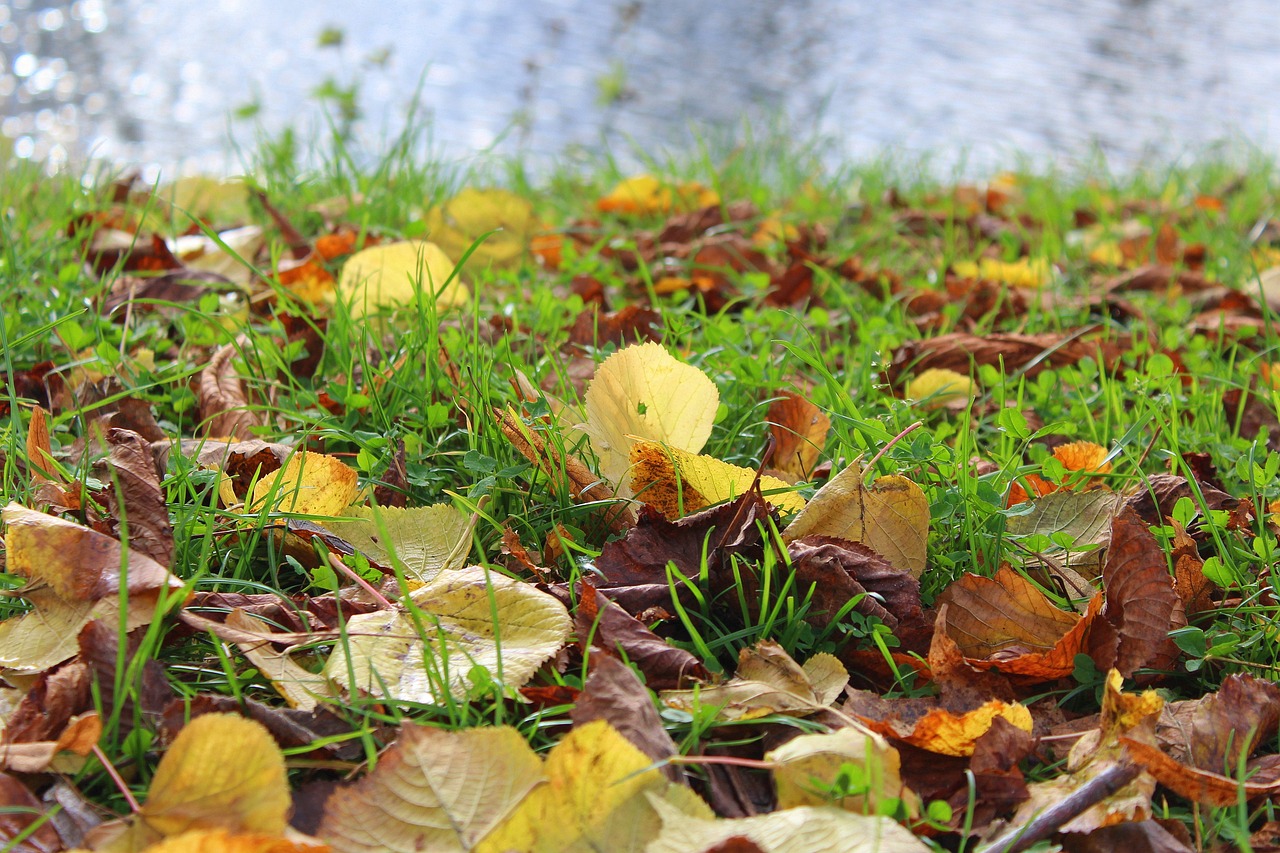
(1149, 414)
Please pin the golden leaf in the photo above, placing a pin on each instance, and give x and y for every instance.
(395, 275)
(939, 387)
(594, 798)
(642, 393)
(1024, 272)
(646, 194)
(308, 484)
(891, 517)
(502, 219)
(678, 483)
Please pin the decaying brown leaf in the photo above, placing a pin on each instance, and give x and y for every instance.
(224, 406)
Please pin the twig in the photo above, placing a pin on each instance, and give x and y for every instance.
(1049, 821)
(874, 459)
(117, 778)
(361, 582)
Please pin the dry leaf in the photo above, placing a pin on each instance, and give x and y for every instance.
(397, 275)
(224, 406)
(799, 430)
(768, 682)
(805, 763)
(891, 517)
(678, 483)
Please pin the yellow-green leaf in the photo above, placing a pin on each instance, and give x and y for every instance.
(425, 540)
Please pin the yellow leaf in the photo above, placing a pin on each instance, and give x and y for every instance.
(461, 619)
(891, 517)
(938, 387)
(594, 798)
(642, 392)
(804, 759)
(308, 484)
(424, 540)
(218, 201)
(806, 829)
(473, 214)
(433, 790)
(395, 275)
(646, 194)
(1024, 272)
(768, 682)
(679, 483)
(300, 688)
(221, 841)
(221, 772)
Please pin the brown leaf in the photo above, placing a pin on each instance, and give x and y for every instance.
(799, 430)
(1216, 730)
(1193, 588)
(1143, 836)
(959, 351)
(613, 693)
(19, 809)
(602, 623)
(1198, 786)
(146, 688)
(1154, 499)
(838, 571)
(596, 328)
(290, 727)
(1007, 624)
(56, 697)
(223, 403)
(134, 497)
(1134, 627)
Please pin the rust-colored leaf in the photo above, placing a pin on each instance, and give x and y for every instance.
(799, 430)
(224, 406)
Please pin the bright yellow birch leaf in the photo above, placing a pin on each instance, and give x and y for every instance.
(768, 681)
(643, 393)
(678, 483)
(594, 798)
(1024, 272)
(433, 790)
(461, 619)
(891, 517)
(222, 771)
(396, 275)
(805, 829)
(307, 484)
(425, 540)
(807, 759)
(503, 219)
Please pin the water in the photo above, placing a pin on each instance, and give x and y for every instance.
(140, 81)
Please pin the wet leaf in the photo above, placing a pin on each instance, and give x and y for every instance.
(891, 517)
(462, 619)
(642, 392)
(398, 275)
(434, 790)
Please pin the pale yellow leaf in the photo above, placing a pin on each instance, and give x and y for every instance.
(806, 829)
(594, 798)
(300, 688)
(397, 275)
(425, 540)
(200, 252)
(804, 762)
(768, 681)
(461, 619)
(433, 790)
(643, 393)
(891, 517)
(678, 483)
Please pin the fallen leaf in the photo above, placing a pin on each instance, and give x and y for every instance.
(804, 764)
(768, 682)
(1029, 354)
(230, 255)
(646, 194)
(224, 406)
(1006, 623)
(642, 393)
(462, 619)
(135, 499)
(1217, 730)
(805, 829)
(497, 223)
(601, 793)
(19, 810)
(221, 841)
(1082, 518)
(799, 430)
(891, 517)
(615, 694)
(1190, 783)
(604, 624)
(938, 388)
(679, 483)
(838, 571)
(421, 541)
(398, 275)
(433, 789)
(307, 484)
(300, 688)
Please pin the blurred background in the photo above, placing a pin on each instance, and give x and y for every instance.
(973, 83)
